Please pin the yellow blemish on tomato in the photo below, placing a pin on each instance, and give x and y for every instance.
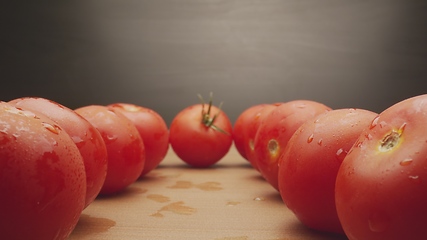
(392, 139)
(273, 147)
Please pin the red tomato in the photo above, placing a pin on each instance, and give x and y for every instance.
(380, 190)
(42, 177)
(251, 130)
(153, 130)
(309, 164)
(241, 126)
(200, 135)
(125, 148)
(275, 131)
(85, 136)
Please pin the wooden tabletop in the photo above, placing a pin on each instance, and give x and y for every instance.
(229, 201)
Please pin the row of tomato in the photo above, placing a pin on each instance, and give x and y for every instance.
(54, 161)
(347, 171)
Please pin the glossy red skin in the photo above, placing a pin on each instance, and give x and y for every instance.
(251, 131)
(382, 194)
(309, 164)
(42, 177)
(125, 147)
(88, 140)
(240, 128)
(196, 144)
(153, 130)
(279, 125)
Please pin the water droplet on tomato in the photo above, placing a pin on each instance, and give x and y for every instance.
(341, 154)
(320, 142)
(406, 162)
(251, 144)
(51, 128)
(110, 138)
(378, 222)
(302, 105)
(310, 138)
(374, 122)
(415, 178)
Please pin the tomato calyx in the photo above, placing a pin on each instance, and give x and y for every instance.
(207, 120)
(392, 139)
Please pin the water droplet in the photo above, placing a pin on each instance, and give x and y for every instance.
(251, 144)
(301, 105)
(51, 128)
(415, 178)
(320, 142)
(109, 138)
(374, 122)
(368, 136)
(378, 222)
(310, 138)
(259, 199)
(406, 162)
(341, 154)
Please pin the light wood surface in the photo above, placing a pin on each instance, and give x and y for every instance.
(229, 201)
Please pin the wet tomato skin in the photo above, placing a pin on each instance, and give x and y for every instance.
(153, 130)
(42, 177)
(125, 147)
(88, 140)
(276, 129)
(309, 164)
(196, 144)
(240, 128)
(381, 184)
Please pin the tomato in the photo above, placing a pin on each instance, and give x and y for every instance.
(251, 130)
(201, 135)
(275, 131)
(153, 130)
(380, 190)
(42, 177)
(309, 164)
(240, 128)
(125, 147)
(85, 136)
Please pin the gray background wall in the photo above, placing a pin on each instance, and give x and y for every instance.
(161, 53)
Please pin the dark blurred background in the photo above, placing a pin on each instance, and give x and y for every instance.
(161, 53)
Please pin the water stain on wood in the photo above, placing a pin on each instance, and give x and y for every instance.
(89, 225)
(233, 203)
(158, 198)
(206, 186)
(233, 238)
(175, 207)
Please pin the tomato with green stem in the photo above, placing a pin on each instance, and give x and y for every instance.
(199, 136)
